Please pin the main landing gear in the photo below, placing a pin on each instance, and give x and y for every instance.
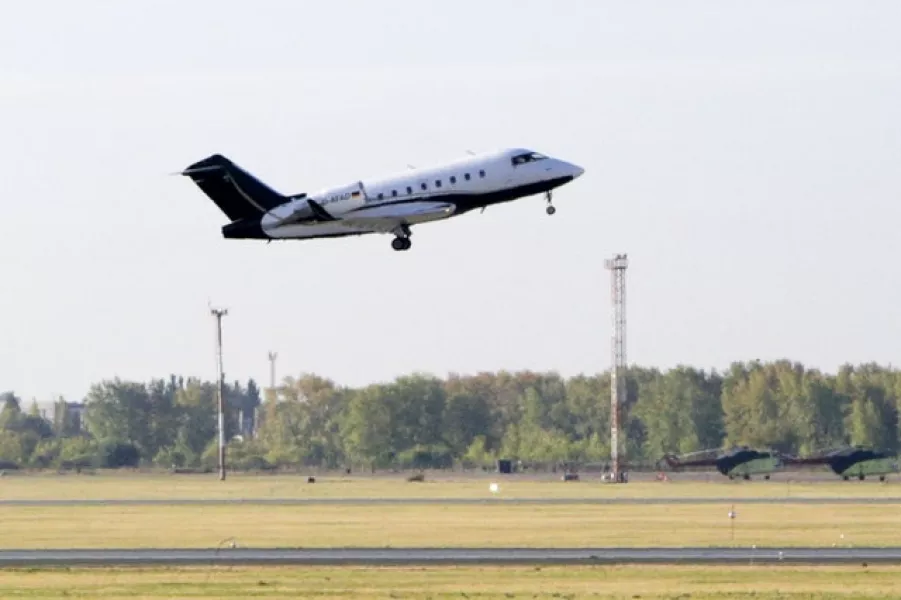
(550, 207)
(402, 241)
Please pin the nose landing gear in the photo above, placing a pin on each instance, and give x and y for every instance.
(550, 207)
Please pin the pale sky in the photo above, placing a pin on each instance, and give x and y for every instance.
(747, 157)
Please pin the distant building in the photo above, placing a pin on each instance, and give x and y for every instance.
(76, 412)
(246, 423)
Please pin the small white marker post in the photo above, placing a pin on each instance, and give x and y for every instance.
(732, 516)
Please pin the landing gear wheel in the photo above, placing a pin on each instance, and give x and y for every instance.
(400, 243)
(550, 207)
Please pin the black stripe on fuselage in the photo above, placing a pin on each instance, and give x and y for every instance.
(463, 201)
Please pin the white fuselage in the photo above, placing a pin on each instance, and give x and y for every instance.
(422, 195)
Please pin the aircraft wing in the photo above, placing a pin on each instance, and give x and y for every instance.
(386, 218)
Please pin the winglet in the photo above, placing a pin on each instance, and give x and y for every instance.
(320, 212)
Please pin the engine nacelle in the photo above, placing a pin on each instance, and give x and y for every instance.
(341, 199)
(334, 201)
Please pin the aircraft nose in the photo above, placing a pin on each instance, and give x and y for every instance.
(574, 170)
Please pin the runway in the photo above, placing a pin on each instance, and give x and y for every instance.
(443, 501)
(446, 556)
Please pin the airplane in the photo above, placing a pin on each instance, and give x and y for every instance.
(387, 205)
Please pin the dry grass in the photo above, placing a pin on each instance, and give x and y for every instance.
(646, 583)
(125, 486)
(449, 525)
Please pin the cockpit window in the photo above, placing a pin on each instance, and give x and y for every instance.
(527, 157)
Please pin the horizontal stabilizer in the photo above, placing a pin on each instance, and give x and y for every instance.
(236, 192)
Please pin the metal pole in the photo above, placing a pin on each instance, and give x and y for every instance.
(219, 313)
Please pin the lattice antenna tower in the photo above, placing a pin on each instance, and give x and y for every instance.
(218, 313)
(617, 267)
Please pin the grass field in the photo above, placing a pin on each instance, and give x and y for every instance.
(567, 583)
(434, 525)
(132, 486)
(546, 525)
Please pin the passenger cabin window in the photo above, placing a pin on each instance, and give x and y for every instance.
(453, 179)
(437, 183)
(424, 186)
(409, 189)
(394, 192)
(466, 176)
(527, 157)
(381, 196)
(481, 173)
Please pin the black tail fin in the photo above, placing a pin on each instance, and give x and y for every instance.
(235, 191)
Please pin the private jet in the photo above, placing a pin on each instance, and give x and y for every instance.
(387, 205)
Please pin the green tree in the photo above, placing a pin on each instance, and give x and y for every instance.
(369, 427)
(196, 407)
(121, 411)
(465, 419)
(11, 410)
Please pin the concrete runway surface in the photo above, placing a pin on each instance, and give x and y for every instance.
(447, 556)
(446, 501)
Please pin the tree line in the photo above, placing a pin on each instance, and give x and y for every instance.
(423, 421)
